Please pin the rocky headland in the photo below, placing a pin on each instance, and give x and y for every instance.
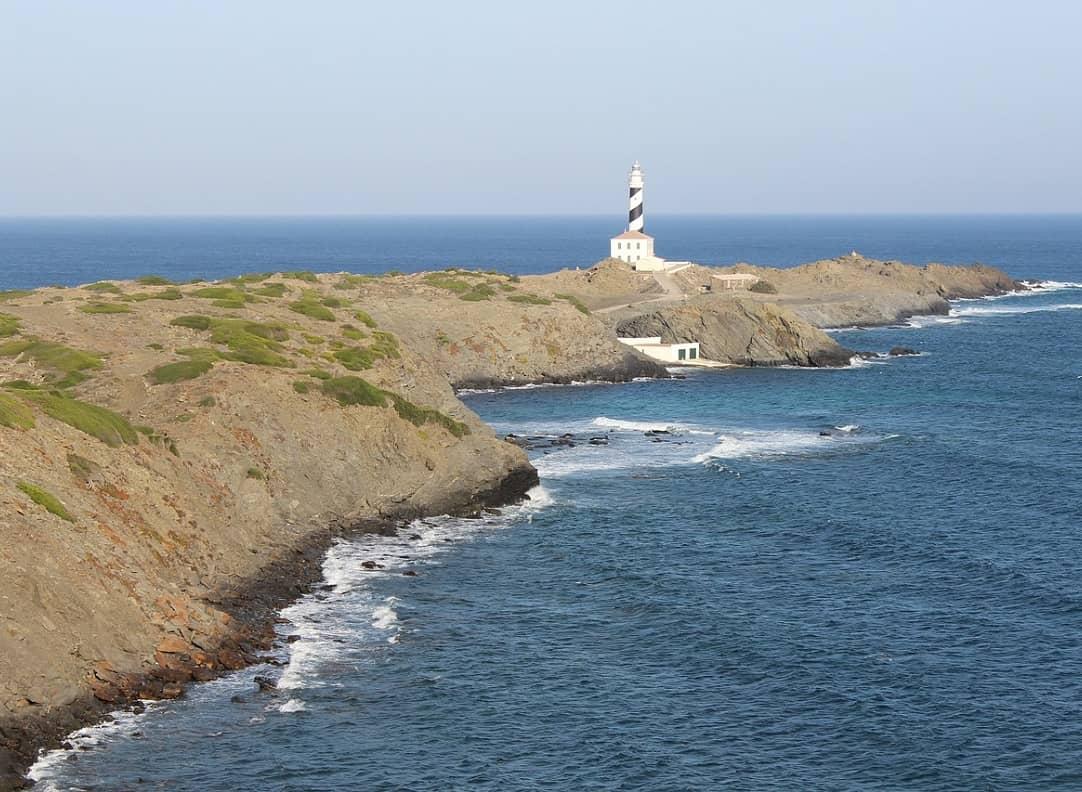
(176, 458)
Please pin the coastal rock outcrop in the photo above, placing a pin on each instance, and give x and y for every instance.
(176, 459)
(741, 331)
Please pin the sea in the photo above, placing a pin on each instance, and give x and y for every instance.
(867, 578)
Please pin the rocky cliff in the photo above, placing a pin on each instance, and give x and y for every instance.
(176, 457)
(741, 331)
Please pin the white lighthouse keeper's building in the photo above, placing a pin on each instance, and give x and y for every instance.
(635, 246)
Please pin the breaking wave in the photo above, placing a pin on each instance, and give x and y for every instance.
(1004, 310)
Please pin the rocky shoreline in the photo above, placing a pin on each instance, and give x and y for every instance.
(178, 458)
(252, 606)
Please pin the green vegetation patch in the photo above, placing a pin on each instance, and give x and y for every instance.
(46, 500)
(351, 390)
(14, 413)
(104, 308)
(82, 468)
(14, 294)
(271, 290)
(478, 292)
(256, 473)
(230, 294)
(447, 280)
(9, 325)
(68, 365)
(302, 386)
(153, 280)
(418, 416)
(354, 390)
(529, 299)
(579, 304)
(103, 286)
(301, 275)
(256, 343)
(179, 371)
(251, 342)
(351, 281)
(351, 332)
(763, 287)
(251, 277)
(317, 373)
(171, 293)
(384, 345)
(192, 322)
(311, 308)
(334, 302)
(365, 319)
(105, 425)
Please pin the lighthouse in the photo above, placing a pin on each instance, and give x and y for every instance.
(634, 246)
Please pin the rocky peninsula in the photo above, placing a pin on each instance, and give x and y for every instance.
(178, 457)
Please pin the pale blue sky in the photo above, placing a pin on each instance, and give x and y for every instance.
(159, 106)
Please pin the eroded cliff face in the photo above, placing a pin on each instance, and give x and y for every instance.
(165, 449)
(741, 331)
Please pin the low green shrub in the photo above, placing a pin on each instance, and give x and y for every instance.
(354, 390)
(232, 294)
(271, 290)
(208, 401)
(763, 287)
(153, 280)
(180, 371)
(256, 473)
(529, 299)
(82, 468)
(419, 416)
(105, 425)
(68, 366)
(46, 500)
(103, 286)
(301, 275)
(192, 321)
(334, 302)
(14, 413)
(317, 373)
(9, 325)
(251, 277)
(571, 298)
(478, 292)
(301, 386)
(14, 294)
(312, 309)
(104, 308)
(365, 319)
(351, 332)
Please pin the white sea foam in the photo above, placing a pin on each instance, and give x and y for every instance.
(848, 428)
(347, 621)
(123, 723)
(751, 444)
(293, 705)
(1004, 310)
(647, 426)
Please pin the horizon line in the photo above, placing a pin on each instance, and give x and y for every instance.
(509, 215)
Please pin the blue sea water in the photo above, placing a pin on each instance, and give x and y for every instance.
(867, 578)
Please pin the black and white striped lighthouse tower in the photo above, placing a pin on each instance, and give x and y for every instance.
(635, 219)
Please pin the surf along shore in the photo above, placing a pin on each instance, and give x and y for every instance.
(178, 458)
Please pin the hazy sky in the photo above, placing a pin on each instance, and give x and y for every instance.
(152, 106)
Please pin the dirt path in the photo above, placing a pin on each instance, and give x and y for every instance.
(673, 293)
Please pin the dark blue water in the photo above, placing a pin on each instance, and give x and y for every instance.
(70, 251)
(744, 603)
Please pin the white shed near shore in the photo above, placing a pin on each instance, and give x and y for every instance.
(651, 346)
